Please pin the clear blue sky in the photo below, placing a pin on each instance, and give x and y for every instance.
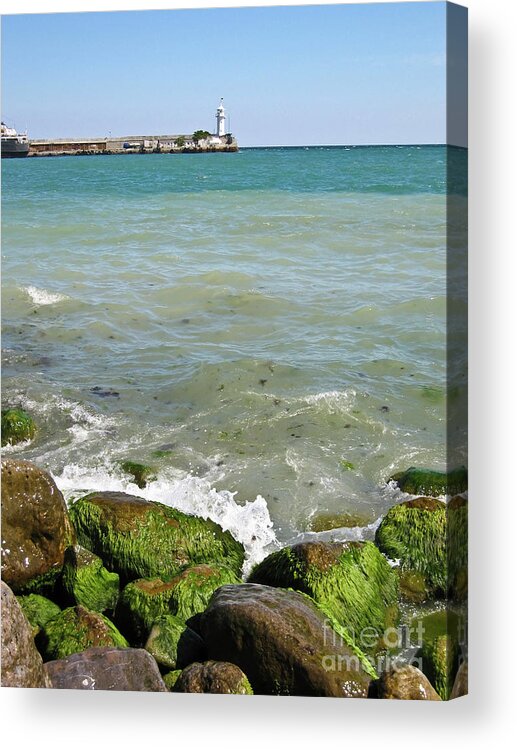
(289, 75)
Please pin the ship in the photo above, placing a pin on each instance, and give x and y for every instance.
(14, 145)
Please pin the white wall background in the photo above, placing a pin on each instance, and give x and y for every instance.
(487, 717)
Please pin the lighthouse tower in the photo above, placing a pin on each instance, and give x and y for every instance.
(221, 120)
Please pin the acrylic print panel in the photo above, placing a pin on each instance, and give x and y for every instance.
(234, 364)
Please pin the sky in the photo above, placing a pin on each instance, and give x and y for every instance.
(299, 75)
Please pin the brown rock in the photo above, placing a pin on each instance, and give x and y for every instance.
(213, 677)
(282, 642)
(403, 682)
(107, 669)
(22, 665)
(461, 681)
(35, 527)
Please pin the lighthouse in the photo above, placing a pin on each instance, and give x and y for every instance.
(221, 120)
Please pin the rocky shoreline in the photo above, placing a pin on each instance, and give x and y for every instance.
(119, 593)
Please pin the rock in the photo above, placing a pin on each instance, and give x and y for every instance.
(35, 528)
(213, 677)
(74, 630)
(403, 682)
(282, 642)
(415, 533)
(142, 539)
(107, 669)
(413, 586)
(440, 659)
(173, 644)
(171, 678)
(192, 588)
(461, 682)
(140, 604)
(22, 665)
(17, 426)
(432, 483)
(457, 547)
(38, 610)
(141, 473)
(328, 521)
(351, 581)
(86, 581)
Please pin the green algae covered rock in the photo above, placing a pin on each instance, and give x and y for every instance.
(38, 610)
(141, 473)
(17, 426)
(413, 587)
(171, 678)
(192, 588)
(352, 582)
(86, 581)
(213, 677)
(173, 644)
(328, 521)
(76, 629)
(432, 483)
(415, 534)
(141, 539)
(440, 661)
(457, 547)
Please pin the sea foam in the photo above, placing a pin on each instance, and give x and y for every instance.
(43, 296)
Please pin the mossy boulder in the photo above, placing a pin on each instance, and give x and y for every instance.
(213, 677)
(36, 529)
(440, 663)
(413, 586)
(141, 473)
(425, 628)
(415, 534)
(140, 604)
(457, 547)
(432, 483)
(141, 539)
(192, 588)
(283, 643)
(17, 426)
(403, 682)
(173, 644)
(171, 678)
(350, 581)
(38, 610)
(86, 581)
(76, 629)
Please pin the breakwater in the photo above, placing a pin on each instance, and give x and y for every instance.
(139, 144)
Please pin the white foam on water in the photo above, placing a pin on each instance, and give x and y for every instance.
(249, 523)
(43, 296)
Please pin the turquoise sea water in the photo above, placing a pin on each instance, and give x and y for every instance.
(272, 322)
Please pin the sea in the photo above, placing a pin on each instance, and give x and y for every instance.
(266, 329)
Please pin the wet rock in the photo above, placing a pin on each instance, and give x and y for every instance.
(35, 528)
(86, 581)
(173, 644)
(213, 677)
(351, 581)
(21, 663)
(17, 426)
(413, 586)
(432, 483)
(141, 473)
(404, 682)
(107, 669)
(440, 661)
(142, 539)
(328, 521)
(74, 630)
(415, 533)
(461, 682)
(282, 642)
